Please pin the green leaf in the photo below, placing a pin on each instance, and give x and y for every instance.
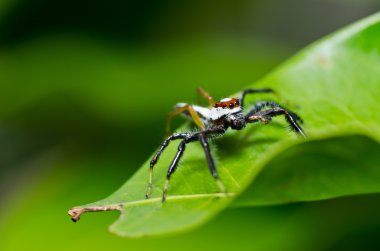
(334, 85)
(340, 166)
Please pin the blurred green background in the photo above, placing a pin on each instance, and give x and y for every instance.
(84, 90)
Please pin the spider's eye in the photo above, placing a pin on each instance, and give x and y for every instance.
(237, 102)
(231, 105)
(224, 106)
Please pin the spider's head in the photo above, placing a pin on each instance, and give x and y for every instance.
(225, 107)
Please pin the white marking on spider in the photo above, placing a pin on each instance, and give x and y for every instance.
(214, 113)
(218, 113)
(226, 100)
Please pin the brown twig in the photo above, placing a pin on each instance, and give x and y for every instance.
(75, 213)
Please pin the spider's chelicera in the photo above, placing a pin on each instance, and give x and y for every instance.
(227, 113)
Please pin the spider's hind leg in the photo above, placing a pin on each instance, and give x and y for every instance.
(203, 93)
(185, 108)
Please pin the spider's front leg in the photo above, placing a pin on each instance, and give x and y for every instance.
(181, 109)
(201, 136)
(210, 161)
(257, 114)
(186, 138)
(158, 154)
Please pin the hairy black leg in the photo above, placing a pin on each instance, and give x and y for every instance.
(158, 154)
(264, 104)
(173, 166)
(289, 116)
(266, 116)
(181, 148)
(210, 161)
(249, 91)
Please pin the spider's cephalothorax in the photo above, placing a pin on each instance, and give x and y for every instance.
(227, 113)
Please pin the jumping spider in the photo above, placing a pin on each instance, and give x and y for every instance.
(216, 120)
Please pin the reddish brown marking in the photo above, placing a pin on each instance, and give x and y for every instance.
(234, 102)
